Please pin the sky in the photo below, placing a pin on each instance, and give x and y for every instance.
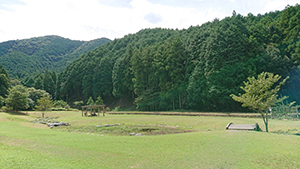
(113, 19)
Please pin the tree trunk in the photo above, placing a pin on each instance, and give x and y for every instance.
(173, 104)
(266, 120)
(266, 124)
(180, 102)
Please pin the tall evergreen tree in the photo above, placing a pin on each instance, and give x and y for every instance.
(4, 81)
(39, 82)
(48, 83)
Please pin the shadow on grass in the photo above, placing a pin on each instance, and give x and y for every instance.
(17, 113)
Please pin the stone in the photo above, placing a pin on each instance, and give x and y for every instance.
(58, 124)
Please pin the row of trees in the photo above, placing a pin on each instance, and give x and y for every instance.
(46, 81)
(16, 97)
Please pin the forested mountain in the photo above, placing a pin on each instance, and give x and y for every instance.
(196, 68)
(24, 58)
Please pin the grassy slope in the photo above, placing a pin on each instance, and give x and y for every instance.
(29, 145)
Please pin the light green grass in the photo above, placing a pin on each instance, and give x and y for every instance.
(28, 145)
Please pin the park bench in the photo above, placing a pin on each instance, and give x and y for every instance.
(231, 126)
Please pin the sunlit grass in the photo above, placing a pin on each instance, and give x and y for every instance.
(26, 145)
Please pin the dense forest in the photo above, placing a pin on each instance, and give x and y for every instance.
(191, 69)
(25, 58)
(196, 68)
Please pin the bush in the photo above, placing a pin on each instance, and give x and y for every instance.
(67, 107)
(59, 103)
(63, 109)
(58, 109)
(116, 108)
(7, 109)
(1, 101)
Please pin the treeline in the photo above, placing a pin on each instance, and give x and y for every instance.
(25, 58)
(164, 69)
(197, 68)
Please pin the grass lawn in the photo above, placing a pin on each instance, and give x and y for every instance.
(29, 145)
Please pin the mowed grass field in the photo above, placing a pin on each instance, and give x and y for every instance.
(24, 144)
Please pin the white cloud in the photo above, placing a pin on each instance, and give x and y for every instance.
(273, 5)
(89, 19)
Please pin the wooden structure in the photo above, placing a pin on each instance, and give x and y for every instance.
(231, 126)
(92, 111)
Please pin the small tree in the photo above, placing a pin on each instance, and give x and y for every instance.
(90, 101)
(260, 94)
(17, 98)
(44, 105)
(99, 101)
(78, 104)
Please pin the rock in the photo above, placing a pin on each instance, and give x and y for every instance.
(58, 124)
(138, 134)
(132, 134)
(108, 125)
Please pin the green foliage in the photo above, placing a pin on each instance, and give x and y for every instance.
(44, 104)
(4, 81)
(196, 68)
(35, 94)
(164, 69)
(285, 110)
(30, 82)
(48, 83)
(17, 98)
(39, 82)
(99, 101)
(59, 103)
(25, 58)
(1, 101)
(90, 101)
(260, 94)
(78, 104)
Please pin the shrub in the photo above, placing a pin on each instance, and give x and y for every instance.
(67, 107)
(59, 103)
(1, 101)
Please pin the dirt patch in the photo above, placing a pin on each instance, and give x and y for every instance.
(127, 130)
(247, 115)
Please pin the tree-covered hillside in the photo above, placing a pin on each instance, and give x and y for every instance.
(196, 68)
(24, 58)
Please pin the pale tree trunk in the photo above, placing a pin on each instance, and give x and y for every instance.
(266, 120)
